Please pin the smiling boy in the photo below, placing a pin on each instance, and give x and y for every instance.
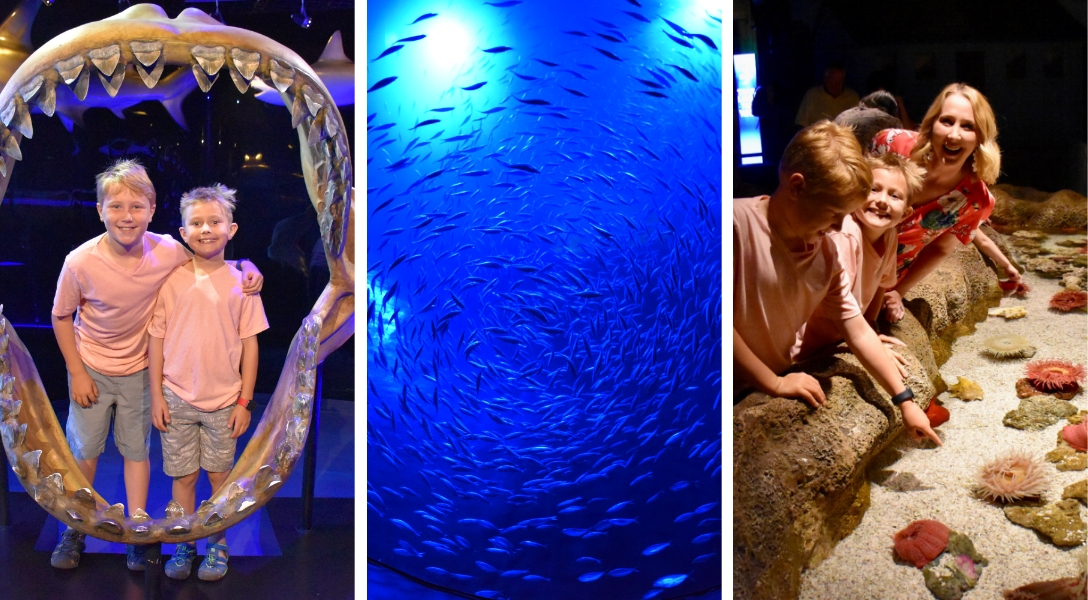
(110, 283)
(203, 364)
(784, 268)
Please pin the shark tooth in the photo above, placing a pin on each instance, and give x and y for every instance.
(245, 504)
(239, 81)
(140, 522)
(265, 479)
(234, 492)
(302, 405)
(20, 121)
(82, 85)
(70, 68)
(73, 515)
(282, 76)
(53, 484)
(140, 515)
(10, 410)
(213, 519)
(210, 58)
(116, 512)
(202, 79)
(298, 111)
(314, 101)
(332, 127)
(47, 99)
(32, 459)
(110, 526)
(286, 456)
(296, 432)
(106, 59)
(3, 167)
(146, 52)
(85, 498)
(11, 147)
(246, 62)
(113, 83)
(178, 529)
(174, 510)
(13, 435)
(151, 78)
(317, 128)
(31, 87)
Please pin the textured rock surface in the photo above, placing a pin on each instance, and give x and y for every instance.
(956, 570)
(1077, 491)
(1026, 208)
(1060, 522)
(1038, 412)
(799, 482)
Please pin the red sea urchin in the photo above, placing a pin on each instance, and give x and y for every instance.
(1053, 375)
(938, 415)
(1011, 477)
(921, 542)
(1069, 300)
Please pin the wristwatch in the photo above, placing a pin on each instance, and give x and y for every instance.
(246, 403)
(903, 396)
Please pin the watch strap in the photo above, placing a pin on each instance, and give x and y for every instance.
(901, 397)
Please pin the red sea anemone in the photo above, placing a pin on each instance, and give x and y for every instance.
(938, 415)
(1076, 436)
(1055, 375)
(1011, 477)
(1013, 288)
(1069, 300)
(921, 541)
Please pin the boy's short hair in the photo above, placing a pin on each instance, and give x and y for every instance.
(830, 159)
(912, 174)
(218, 193)
(128, 173)
(882, 100)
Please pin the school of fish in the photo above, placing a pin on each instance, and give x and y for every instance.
(544, 310)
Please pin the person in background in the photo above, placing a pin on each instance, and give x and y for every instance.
(873, 113)
(827, 100)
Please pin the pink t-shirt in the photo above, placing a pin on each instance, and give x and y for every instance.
(113, 306)
(868, 271)
(775, 291)
(202, 321)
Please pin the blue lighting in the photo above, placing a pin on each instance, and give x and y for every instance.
(744, 69)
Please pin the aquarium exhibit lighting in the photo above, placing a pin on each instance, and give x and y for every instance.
(744, 72)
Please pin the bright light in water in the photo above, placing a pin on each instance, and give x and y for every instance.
(448, 45)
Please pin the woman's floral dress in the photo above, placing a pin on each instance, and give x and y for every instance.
(959, 212)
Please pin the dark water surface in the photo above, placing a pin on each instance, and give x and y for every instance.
(544, 296)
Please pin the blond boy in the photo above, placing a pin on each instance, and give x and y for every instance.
(203, 356)
(867, 246)
(783, 268)
(110, 283)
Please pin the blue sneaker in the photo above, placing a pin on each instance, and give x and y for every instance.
(181, 564)
(214, 566)
(134, 557)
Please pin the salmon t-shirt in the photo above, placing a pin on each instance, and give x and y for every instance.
(113, 305)
(775, 291)
(202, 320)
(867, 269)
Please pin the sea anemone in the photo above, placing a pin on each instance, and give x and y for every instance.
(921, 542)
(1076, 436)
(1013, 288)
(1011, 477)
(938, 415)
(1008, 346)
(1055, 375)
(967, 567)
(1068, 588)
(1069, 300)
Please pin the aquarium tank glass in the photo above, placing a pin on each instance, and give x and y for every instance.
(544, 297)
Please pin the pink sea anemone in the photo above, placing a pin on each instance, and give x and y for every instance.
(1055, 375)
(1076, 436)
(1069, 300)
(938, 415)
(921, 541)
(1012, 476)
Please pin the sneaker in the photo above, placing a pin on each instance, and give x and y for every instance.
(181, 564)
(66, 554)
(214, 566)
(134, 557)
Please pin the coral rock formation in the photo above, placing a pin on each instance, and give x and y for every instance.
(1060, 522)
(1038, 412)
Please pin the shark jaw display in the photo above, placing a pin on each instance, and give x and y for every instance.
(144, 39)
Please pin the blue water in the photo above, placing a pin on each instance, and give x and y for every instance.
(544, 296)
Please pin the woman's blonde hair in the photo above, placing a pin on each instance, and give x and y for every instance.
(912, 174)
(987, 157)
(830, 159)
(128, 173)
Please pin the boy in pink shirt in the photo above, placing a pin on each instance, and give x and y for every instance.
(867, 247)
(783, 268)
(110, 283)
(203, 363)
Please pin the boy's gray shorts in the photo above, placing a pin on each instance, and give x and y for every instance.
(196, 440)
(125, 399)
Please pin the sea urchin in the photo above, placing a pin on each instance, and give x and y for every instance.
(1053, 375)
(921, 541)
(1069, 300)
(1012, 476)
(1008, 346)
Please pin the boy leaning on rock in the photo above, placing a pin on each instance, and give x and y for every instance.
(784, 268)
(110, 282)
(203, 356)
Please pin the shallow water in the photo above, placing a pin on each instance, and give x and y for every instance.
(544, 310)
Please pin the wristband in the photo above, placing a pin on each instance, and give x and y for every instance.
(238, 263)
(246, 403)
(903, 396)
